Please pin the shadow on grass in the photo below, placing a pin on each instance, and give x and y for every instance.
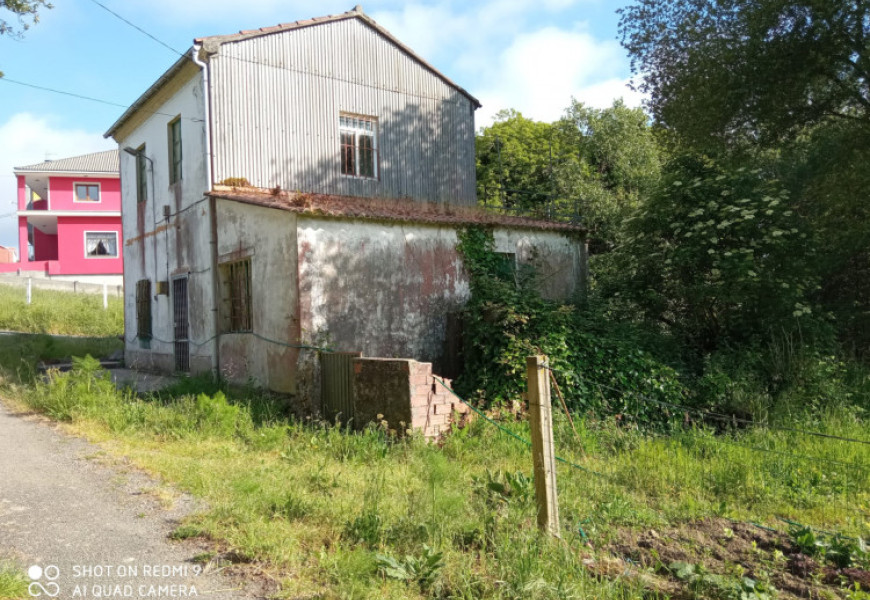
(20, 353)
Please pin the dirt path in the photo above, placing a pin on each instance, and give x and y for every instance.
(97, 524)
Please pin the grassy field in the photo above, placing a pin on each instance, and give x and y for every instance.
(60, 313)
(321, 512)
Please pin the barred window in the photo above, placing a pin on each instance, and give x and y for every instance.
(237, 296)
(143, 309)
(359, 146)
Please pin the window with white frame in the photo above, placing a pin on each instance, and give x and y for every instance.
(359, 146)
(87, 192)
(101, 244)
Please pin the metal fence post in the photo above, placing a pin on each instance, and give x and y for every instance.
(543, 453)
(29, 294)
(105, 296)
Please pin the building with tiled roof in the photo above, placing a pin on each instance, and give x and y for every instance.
(69, 219)
(301, 185)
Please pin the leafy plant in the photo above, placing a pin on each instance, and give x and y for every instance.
(806, 541)
(721, 586)
(422, 570)
(844, 552)
(502, 487)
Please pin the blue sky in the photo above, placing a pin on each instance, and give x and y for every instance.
(531, 55)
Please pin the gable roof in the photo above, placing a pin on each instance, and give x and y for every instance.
(97, 162)
(211, 44)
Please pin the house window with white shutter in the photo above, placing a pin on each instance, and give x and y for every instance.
(101, 244)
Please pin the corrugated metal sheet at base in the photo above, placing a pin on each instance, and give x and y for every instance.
(277, 100)
(336, 372)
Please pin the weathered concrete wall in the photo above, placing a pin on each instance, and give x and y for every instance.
(382, 289)
(557, 262)
(386, 289)
(268, 238)
(158, 248)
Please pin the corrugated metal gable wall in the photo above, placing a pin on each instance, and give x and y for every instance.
(277, 99)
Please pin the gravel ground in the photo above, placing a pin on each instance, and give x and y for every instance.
(97, 521)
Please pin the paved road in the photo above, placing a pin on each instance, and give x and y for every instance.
(97, 524)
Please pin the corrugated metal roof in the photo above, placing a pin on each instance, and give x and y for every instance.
(213, 42)
(96, 162)
(380, 209)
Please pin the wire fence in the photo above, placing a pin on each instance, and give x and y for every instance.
(723, 439)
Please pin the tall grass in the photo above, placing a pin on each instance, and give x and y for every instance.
(13, 583)
(322, 507)
(60, 313)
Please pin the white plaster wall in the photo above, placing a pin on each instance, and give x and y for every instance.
(268, 237)
(382, 289)
(157, 248)
(558, 260)
(386, 289)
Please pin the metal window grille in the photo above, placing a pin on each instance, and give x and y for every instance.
(175, 150)
(238, 276)
(143, 309)
(359, 146)
(181, 326)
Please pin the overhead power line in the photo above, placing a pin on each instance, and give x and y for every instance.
(137, 28)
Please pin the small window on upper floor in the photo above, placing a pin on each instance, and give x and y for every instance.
(141, 175)
(87, 192)
(359, 146)
(175, 150)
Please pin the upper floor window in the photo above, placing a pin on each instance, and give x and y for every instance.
(87, 192)
(175, 150)
(359, 146)
(141, 175)
(101, 244)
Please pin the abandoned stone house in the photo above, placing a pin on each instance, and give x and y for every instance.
(303, 185)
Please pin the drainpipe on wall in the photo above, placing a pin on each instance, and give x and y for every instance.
(212, 205)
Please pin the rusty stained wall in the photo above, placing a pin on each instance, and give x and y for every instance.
(157, 248)
(558, 261)
(268, 237)
(382, 289)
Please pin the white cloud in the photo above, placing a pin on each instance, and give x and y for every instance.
(28, 139)
(540, 72)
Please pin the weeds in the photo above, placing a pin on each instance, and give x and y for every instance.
(60, 313)
(13, 582)
(351, 513)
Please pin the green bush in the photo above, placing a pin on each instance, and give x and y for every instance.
(504, 323)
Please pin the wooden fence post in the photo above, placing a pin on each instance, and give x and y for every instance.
(543, 453)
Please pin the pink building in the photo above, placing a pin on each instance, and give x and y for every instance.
(69, 219)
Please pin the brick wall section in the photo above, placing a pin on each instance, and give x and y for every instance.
(404, 392)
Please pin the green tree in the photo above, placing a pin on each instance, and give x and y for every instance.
(716, 256)
(592, 163)
(722, 70)
(26, 13)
